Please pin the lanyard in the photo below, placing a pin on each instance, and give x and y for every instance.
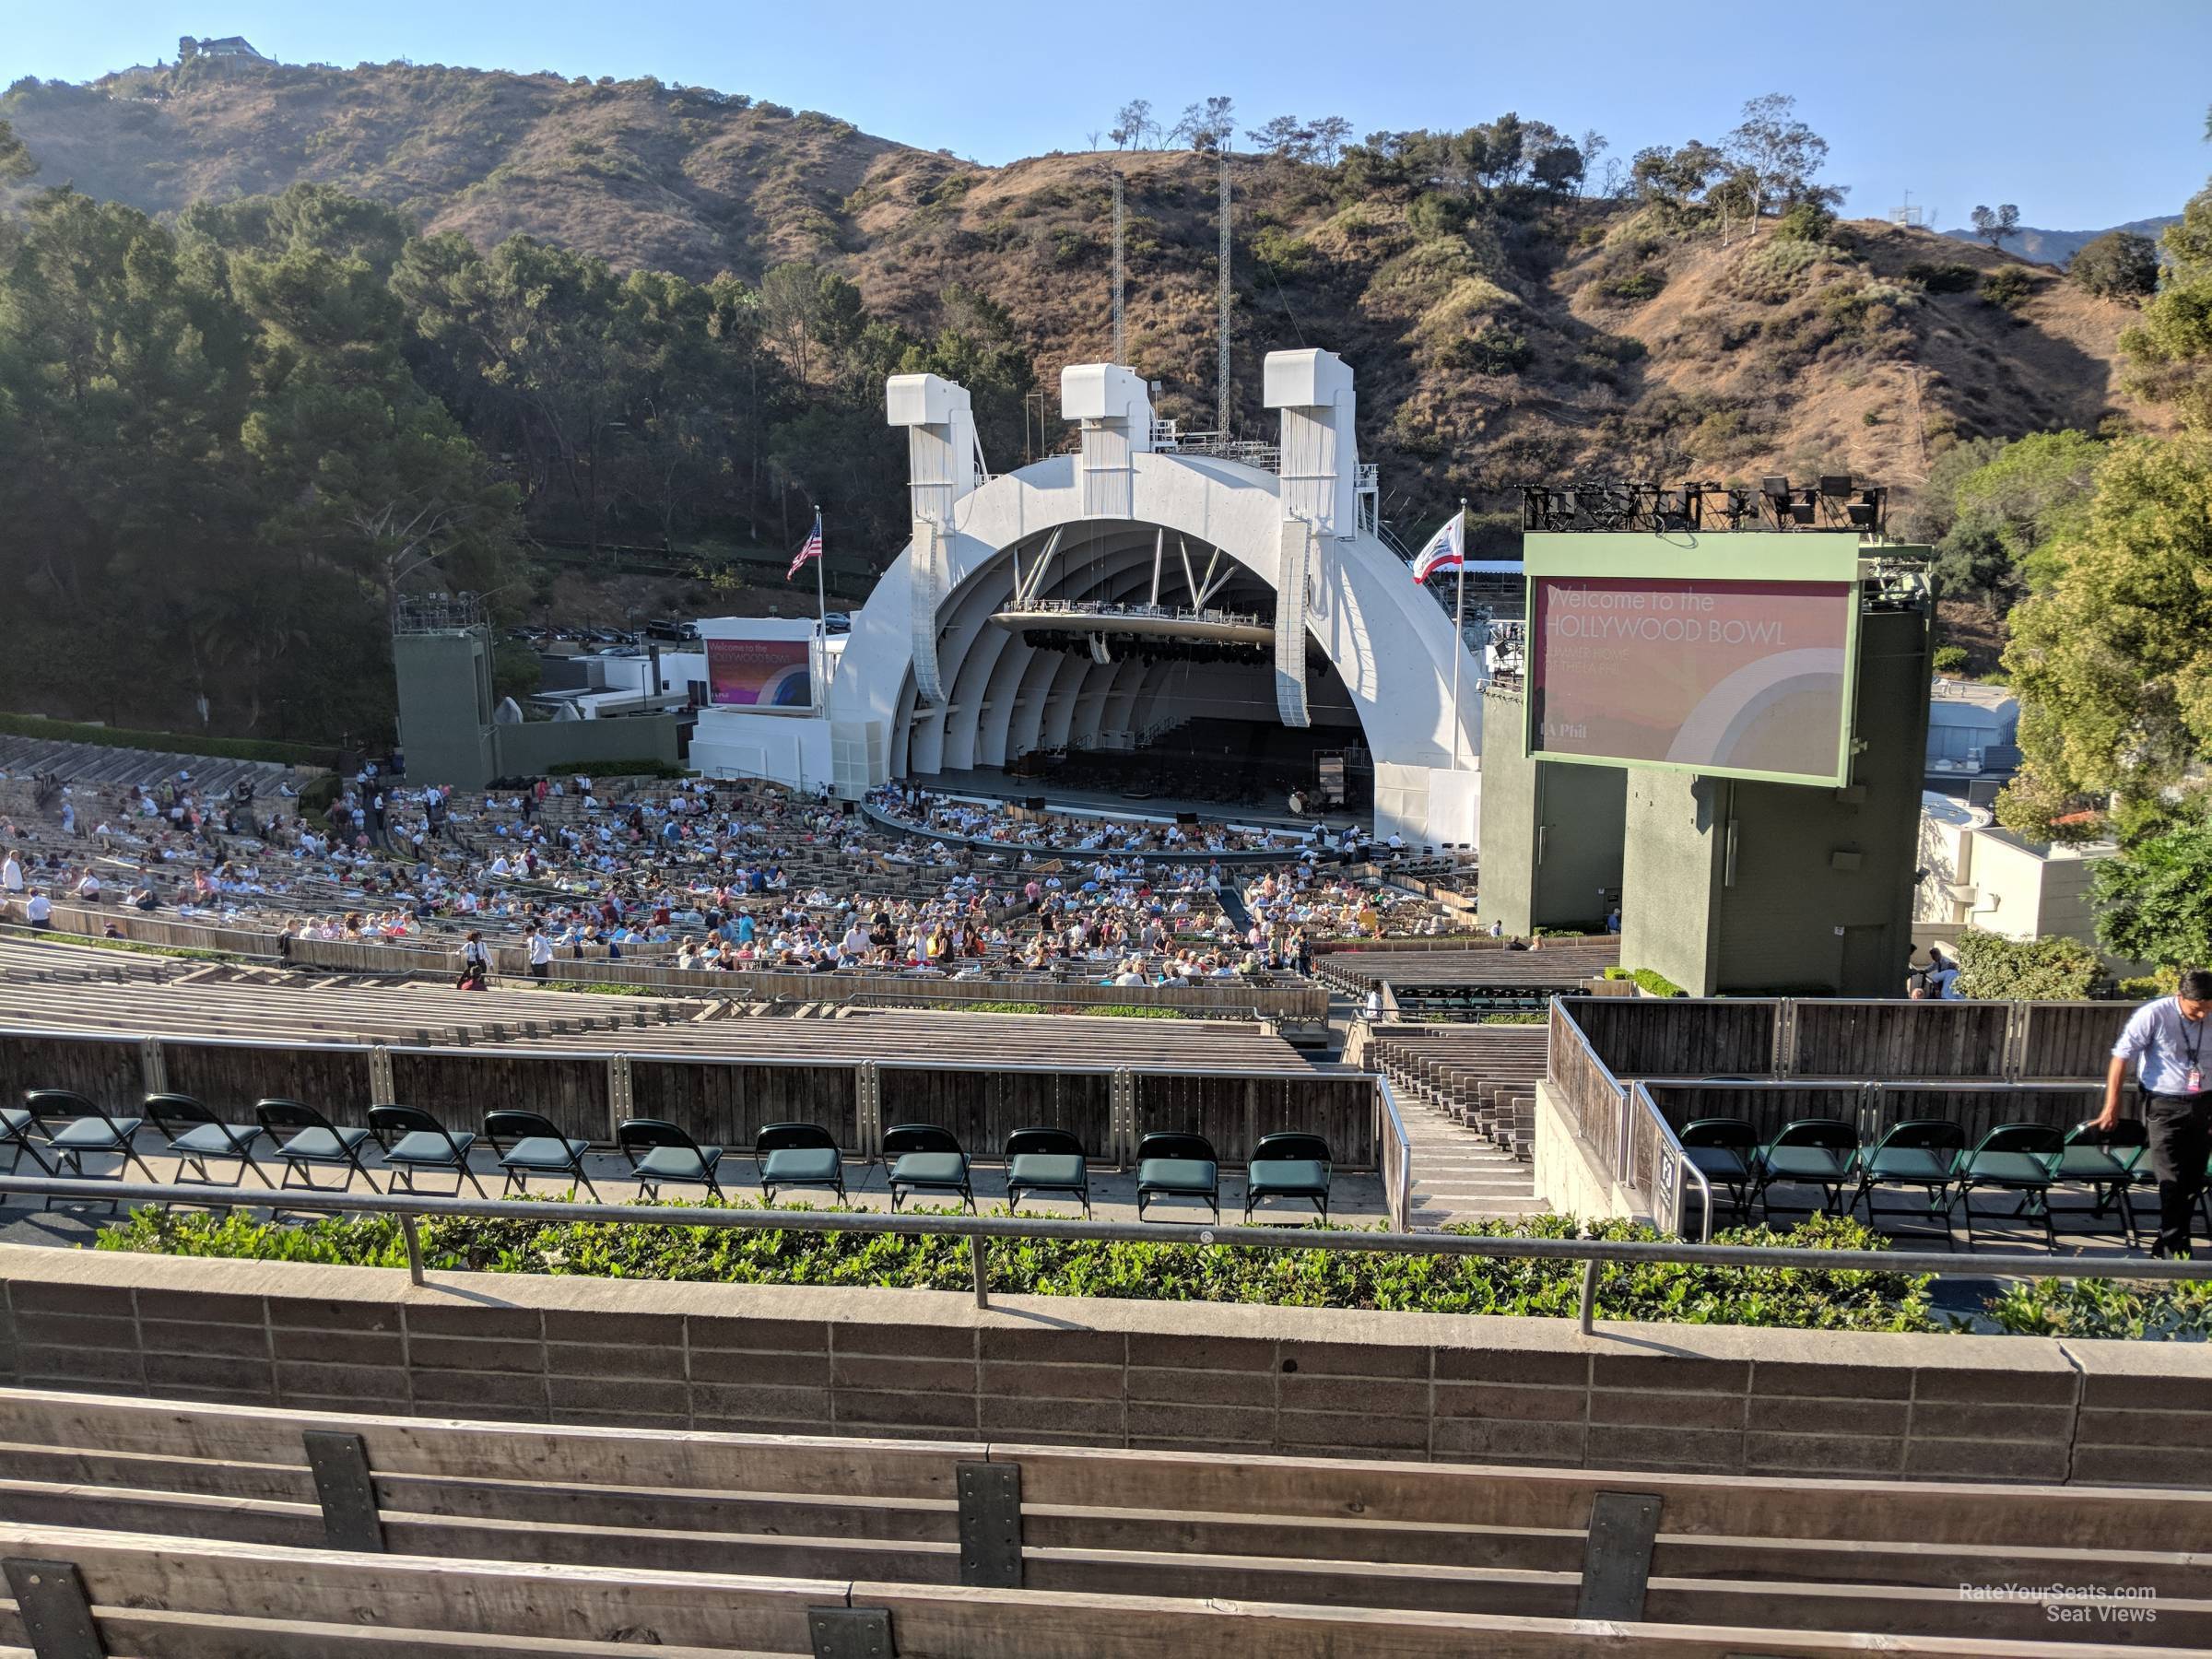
(2194, 1049)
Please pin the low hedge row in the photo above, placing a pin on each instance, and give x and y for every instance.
(2086, 1308)
(1650, 979)
(174, 742)
(615, 768)
(1796, 1298)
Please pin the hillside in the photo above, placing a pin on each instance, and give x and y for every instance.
(1522, 337)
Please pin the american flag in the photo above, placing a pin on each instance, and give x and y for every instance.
(813, 550)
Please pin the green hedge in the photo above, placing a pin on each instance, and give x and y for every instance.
(1796, 1298)
(2051, 969)
(614, 769)
(1650, 979)
(175, 742)
(1116, 1011)
(2142, 1311)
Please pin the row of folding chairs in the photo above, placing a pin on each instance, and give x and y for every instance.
(1930, 1157)
(922, 1157)
(60, 1128)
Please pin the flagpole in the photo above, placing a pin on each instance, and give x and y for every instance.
(821, 613)
(1459, 632)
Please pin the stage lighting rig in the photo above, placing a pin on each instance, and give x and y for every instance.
(1836, 502)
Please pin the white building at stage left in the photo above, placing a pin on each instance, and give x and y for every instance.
(1140, 518)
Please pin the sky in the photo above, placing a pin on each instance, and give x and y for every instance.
(2085, 115)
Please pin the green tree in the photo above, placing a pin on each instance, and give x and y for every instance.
(2154, 900)
(2029, 492)
(1779, 157)
(2117, 266)
(2170, 348)
(1995, 226)
(16, 164)
(1935, 507)
(1973, 558)
(2111, 656)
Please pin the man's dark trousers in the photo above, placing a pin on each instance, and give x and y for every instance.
(2181, 1139)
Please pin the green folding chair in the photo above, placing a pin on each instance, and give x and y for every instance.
(2012, 1158)
(414, 1141)
(1178, 1166)
(925, 1159)
(798, 1155)
(1721, 1149)
(1918, 1154)
(1047, 1161)
(1291, 1167)
(2113, 1164)
(1815, 1152)
(659, 1152)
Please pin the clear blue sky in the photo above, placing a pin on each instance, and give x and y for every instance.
(2084, 115)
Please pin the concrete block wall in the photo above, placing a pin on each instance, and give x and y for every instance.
(1239, 1381)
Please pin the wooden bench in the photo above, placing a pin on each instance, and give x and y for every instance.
(577, 1522)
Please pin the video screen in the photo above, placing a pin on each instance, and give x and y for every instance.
(767, 674)
(1746, 679)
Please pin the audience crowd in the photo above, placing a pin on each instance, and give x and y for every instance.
(708, 875)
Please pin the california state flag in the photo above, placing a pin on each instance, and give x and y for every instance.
(1445, 549)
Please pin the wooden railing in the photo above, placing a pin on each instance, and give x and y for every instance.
(1850, 1037)
(1594, 1097)
(1301, 1004)
(587, 1088)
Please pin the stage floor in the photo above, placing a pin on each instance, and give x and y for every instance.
(986, 781)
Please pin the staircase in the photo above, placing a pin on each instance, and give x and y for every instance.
(1467, 1096)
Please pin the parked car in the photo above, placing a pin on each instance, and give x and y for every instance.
(662, 628)
(838, 621)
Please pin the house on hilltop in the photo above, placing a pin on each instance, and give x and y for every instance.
(233, 47)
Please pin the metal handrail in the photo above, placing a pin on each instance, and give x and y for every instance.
(1683, 1160)
(1400, 1203)
(409, 1208)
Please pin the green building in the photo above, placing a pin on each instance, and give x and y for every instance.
(1732, 726)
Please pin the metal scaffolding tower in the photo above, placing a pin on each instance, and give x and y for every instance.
(1221, 350)
(1121, 323)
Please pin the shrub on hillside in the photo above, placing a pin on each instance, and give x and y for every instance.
(1282, 254)
(1805, 222)
(1770, 271)
(1492, 349)
(1433, 215)
(1950, 659)
(1952, 278)
(1635, 287)
(2117, 266)
(2009, 288)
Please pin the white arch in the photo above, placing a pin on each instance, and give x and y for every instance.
(1389, 641)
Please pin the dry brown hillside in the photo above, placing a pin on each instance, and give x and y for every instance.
(1535, 339)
